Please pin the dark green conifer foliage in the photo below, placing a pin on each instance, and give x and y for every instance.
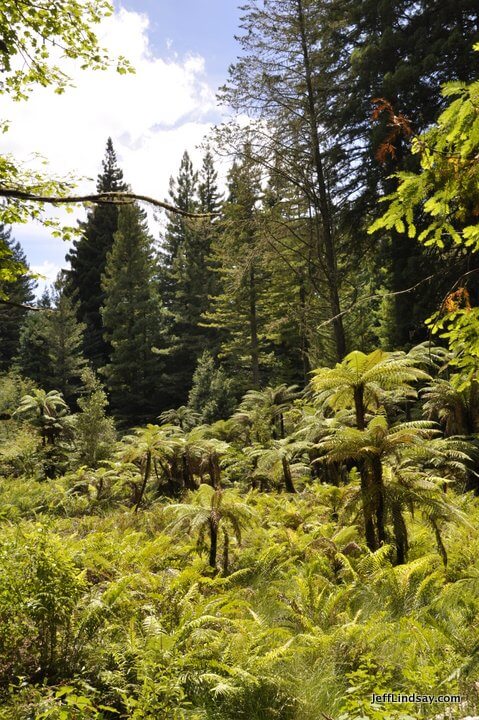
(239, 309)
(132, 319)
(64, 336)
(88, 259)
(19, 291)
(401, 51)
(212, 393)
(187, 278)
(32, 360)
(51, 344)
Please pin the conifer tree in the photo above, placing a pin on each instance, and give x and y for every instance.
(32, 360)
(187, 278)
(277, 81)
(64, 336)
(19, 291)
(239, 308)
(132, 318)
(94, 431)
(51, 344)
(401, 52)
(88, 259)
(212, 394)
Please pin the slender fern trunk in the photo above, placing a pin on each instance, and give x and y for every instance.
(379, 499)
(146, 477)
(288, 478)
(226, 547)
(368, 513)
(400, 535)
(359, 408)
(214, 472)
(213, 542)
(367, 488)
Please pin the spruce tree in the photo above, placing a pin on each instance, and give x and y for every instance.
(88, 260)
(94, 431)
(132, 319)
(19, 291)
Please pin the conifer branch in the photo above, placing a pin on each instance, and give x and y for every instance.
(107, 198)
(379, 296)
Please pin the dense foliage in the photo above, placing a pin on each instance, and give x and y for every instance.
(233, 484)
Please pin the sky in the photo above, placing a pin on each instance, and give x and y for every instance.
(181, 50)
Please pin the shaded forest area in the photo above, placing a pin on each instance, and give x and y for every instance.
(239, 462)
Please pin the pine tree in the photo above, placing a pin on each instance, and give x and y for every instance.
(88, 259)
(187, 279)
(19, 291)
(132, 319)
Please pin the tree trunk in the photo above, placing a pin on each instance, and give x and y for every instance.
(323, 200)
(367, 503)
(304, 334)
(213, 543)
(145, 480)
(187, 477)
(226, 547)
(253, 322)
(288, 479)
(379, 500)
(214, 472)
(400, 535)
(359, 407)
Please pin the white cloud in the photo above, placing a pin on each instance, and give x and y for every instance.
(152, 116)
(49, 271)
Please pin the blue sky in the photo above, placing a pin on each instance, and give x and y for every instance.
(206, 27)
(181, 51)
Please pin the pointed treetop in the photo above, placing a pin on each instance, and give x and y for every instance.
(111, 178)
(210, 197)
(183, 188)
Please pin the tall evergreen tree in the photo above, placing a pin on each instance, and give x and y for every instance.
(187, 278)
(212, 393)
(132, 319)
(19, 291)
(51, 344)
(239, 308)
(64, 336)
(276, 81)
(88, 259)
(32, 359)
(401, 51)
